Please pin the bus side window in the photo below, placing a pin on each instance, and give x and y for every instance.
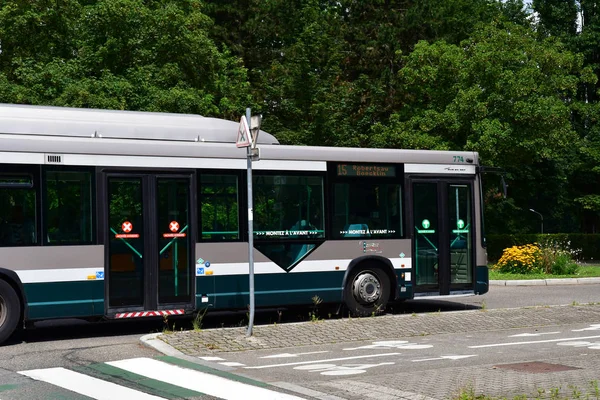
(17, 211)
(367, 209)
(68, 193)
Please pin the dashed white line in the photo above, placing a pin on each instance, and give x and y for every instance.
(232, 364)
(290, 355)
(453, 358)
(212, 358)
(531, 342)
(323, 361)
(534, 334)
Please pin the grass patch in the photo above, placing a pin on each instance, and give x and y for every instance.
(584, 271)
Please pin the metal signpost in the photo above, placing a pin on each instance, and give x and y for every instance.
(248, 137)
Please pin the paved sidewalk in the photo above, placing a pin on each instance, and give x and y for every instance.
(211, 341)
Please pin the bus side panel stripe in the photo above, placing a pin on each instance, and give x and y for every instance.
(60, 275)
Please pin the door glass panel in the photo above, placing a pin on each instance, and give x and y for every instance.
(459, 211)
(126, 242)
(426, 233)
(174, 284)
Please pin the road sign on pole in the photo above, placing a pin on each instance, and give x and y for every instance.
(248, 140)
(255, 121)
(243, 136)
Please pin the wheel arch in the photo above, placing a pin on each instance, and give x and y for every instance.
(384, 263)
(11, 277)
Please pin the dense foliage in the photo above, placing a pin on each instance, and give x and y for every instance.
(519, 85)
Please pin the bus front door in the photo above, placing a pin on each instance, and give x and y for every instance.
(443, 226)
(148, 243)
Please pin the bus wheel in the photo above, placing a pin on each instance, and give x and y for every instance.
(367, 291)
(10, 310)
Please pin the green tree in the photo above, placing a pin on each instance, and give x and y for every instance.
(504, 93)
(557, 17)
(118, 54)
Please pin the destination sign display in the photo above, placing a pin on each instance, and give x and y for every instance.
(373, 170)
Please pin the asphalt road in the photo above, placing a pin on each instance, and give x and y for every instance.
(76, 345)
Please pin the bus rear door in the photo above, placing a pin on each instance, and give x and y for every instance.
(443, 235)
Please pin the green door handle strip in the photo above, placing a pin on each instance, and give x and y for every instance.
(175, 259)
(426, 238)
(128, 245)
(466, 228)
(174, 240)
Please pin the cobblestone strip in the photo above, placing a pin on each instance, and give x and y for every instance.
(211, 341)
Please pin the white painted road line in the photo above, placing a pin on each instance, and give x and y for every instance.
(531, 342)
(212, 358)
(534, 334)
(202, 382)
(453, 358)
(323, 361)
(289, 355)
(86, 385)
(595, 327)
(232, 364)
(393, 344)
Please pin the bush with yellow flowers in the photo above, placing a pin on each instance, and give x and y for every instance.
(524, 259)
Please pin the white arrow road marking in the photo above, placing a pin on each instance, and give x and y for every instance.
(323, 361)
(453, 358)
(290, 355)
(595, 327)
(393, 344)
(531, 342)
(534, 334)
(335, 370)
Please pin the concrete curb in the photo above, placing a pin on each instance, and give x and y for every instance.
(152, 341)
(546, 282)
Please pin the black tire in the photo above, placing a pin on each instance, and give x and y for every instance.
(10, 310)
(367, 291)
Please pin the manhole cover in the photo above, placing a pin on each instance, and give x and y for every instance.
(536, 367)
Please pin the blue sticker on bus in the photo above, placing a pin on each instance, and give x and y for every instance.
(100, 275)
(199, 271)
(207, 264)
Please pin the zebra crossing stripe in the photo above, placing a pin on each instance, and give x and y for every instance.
(198, 381)
(148, 385)
(86, 385)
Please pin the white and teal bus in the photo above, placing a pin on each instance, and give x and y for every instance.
(118, 214)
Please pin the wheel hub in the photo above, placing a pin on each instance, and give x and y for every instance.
(366, 288)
